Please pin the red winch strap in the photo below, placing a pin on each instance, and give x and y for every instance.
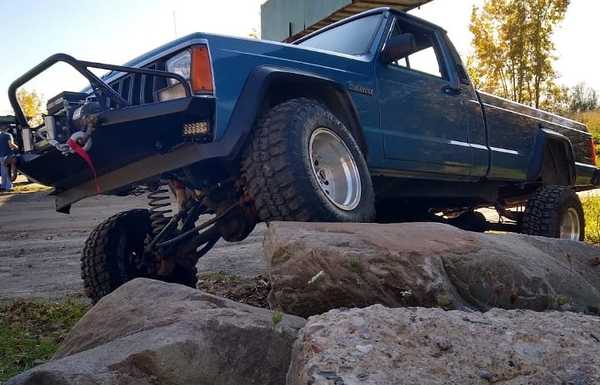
(86, 157)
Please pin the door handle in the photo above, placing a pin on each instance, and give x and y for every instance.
(452, 91)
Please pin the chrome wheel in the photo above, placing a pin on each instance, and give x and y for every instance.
(569, 225)
(335, 169)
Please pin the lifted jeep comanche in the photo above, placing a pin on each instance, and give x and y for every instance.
(373, 118)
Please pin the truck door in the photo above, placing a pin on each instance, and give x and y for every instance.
(472, 114)
(422, 116)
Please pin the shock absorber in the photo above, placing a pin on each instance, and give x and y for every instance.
(159, 201)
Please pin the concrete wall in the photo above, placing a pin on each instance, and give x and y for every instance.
(277, 15)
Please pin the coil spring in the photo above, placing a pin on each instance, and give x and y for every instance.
(159, 201)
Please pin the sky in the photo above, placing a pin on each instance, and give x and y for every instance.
(115, 31)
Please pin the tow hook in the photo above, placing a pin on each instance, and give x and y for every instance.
(88, 124)
(81, 142)
(83, 139)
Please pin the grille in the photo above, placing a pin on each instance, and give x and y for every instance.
(139, 89)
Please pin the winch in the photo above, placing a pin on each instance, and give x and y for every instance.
(71, 115)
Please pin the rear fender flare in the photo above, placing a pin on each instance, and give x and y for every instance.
(259, 94)
(550, 141)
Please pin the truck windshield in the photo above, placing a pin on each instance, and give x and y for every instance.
(352, 38)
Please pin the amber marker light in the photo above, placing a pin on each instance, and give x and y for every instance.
(201, 76)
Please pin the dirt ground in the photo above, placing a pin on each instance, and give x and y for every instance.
(40, 248)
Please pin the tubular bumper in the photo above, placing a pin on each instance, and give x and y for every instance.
(130, 145)
(130, 142)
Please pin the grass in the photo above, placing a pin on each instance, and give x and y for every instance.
(591, 206)
(30, 188)
(354, 263)
(277, 317)
(30, 332)
(591, 209)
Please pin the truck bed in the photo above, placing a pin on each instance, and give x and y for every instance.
(507, 120)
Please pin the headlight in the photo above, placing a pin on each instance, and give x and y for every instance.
(194, 65)
(171, 92)
(180, 64)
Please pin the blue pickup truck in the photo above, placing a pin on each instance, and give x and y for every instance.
(373, 118)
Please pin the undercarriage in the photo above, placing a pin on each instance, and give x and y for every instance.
(186, 229)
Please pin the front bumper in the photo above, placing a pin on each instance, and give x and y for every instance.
(124, 136)
(131, 141)
(130, 145)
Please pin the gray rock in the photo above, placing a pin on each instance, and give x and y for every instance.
(150, 332)
(517, 271)
(315, 267)
(409, 346)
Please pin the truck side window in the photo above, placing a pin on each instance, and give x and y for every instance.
(425, 61)
(426, 58)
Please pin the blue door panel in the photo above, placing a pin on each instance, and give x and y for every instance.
(421, 123)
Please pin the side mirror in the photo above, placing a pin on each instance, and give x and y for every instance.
(398, 47)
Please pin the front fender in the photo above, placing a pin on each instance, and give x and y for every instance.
(255, 92)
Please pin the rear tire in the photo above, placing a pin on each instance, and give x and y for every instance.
(555, 212)
(113, 251)
(302, 164)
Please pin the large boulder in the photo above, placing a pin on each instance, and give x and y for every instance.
(150, 332)
(407, 346)
(315, 267)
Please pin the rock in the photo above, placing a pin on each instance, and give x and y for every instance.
(518, 271)
(315, 267)
(383, 346)
(150, 332)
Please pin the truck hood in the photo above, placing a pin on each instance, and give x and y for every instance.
(248, 44)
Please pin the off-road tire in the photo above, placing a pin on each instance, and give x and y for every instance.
(103, 264)
(278, 172)
(545, 208)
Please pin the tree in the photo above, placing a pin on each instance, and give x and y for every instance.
(254, 34)
(582, 99)
(31, 104)
(513, 49)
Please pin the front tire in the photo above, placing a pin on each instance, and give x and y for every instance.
(303, 164)
(113, 255)
(555, 212)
